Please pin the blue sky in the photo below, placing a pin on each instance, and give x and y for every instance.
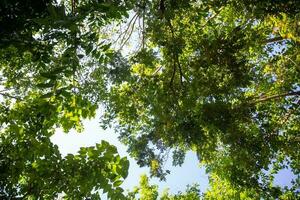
(188, 173)
(180, 177)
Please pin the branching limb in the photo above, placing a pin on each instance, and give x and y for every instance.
(133, 19)
(175, 56)
(124, 41)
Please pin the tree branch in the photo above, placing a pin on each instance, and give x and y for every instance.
(129, 34)
(277, 96)
(133, 19)
(180, 70)
(157, 70)
(173, 75)
(143, 33)
(275, 39)
(10, 96)
(283, 122)
(175, 57)
(212, 17)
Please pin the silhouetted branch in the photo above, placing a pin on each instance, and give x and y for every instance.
(124, 41)
(10, 96)
(173, 75)
(277, 96)
(127, 29)
(275, 39)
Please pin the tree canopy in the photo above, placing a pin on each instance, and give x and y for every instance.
(46, 84)
(220, 78)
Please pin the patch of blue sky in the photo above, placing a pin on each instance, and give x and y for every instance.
(189, 173)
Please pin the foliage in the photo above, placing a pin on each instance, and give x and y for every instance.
(220, 78)
(223, 189)
(219, 189)
(145, 191)
(49, 54)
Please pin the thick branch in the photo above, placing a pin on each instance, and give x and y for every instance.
(180, 70)
(175, 57)
(173, 75)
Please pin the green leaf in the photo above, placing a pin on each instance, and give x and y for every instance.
(45, 85)
(117, 183)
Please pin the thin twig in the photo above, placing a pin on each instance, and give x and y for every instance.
(212, 17)
(127, 29)
(298, 67)
(143, 32)
(291, 112)
(284, 121)
(275, 39)
(129, 35)
(10, 96)
(156, 71)
(5, 90)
